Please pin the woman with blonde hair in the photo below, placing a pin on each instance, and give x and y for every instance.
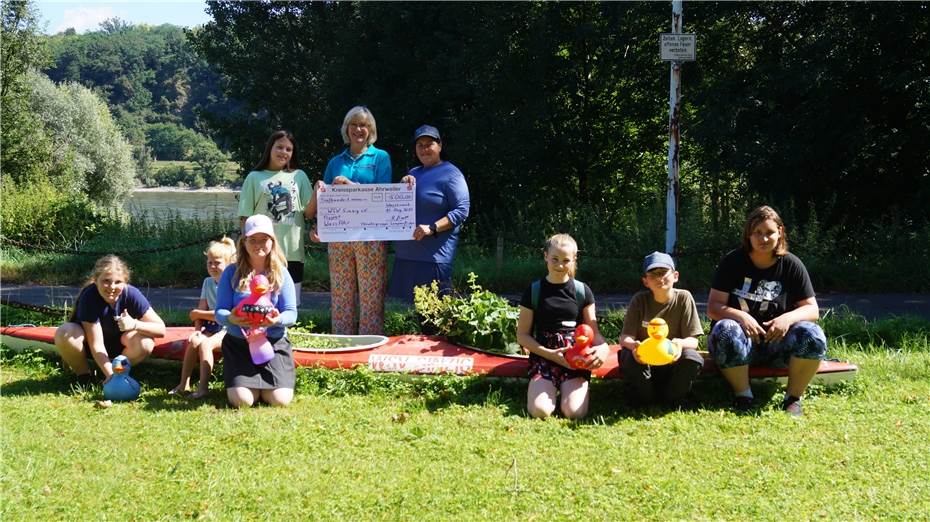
(247, 382)
(357, 269)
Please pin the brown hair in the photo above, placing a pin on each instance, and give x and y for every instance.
(277, 266)
(756, 217)
(108, 263)
(564, 240)
(266, 156)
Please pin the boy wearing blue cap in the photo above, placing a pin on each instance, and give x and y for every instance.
(668, 384)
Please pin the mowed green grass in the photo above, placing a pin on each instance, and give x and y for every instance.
(355, 445)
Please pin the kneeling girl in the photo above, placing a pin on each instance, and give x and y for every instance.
(247, 382)
(549, 311)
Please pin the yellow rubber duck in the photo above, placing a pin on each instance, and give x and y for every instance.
(658, 350)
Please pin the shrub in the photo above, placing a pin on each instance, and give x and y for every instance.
(481, 319)
(211, 161)
(41, 214)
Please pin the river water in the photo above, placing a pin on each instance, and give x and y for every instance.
(201, 204)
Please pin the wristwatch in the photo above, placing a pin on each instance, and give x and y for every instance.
(432, 228)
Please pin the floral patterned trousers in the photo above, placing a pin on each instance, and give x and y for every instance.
(358, 280)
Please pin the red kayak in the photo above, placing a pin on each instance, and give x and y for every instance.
(416, 354)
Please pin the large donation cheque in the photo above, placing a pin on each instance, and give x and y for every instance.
(366, 212)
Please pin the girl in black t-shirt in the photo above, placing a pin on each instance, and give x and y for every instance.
(764, 309)
(547, 321)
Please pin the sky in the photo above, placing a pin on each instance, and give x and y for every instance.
(58, 15)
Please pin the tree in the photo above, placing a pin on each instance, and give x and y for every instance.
(86, 140)
(149, 76)
(22, 154)
(557, 112)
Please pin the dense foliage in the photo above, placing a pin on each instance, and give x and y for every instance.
(87, 140)
(556, 112)
(21, 49)
(154, 82)
(478, 318)
(62, 155)
(820, 107)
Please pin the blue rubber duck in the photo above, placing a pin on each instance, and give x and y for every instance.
(121, 387)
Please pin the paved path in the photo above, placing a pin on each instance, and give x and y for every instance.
(869, 305)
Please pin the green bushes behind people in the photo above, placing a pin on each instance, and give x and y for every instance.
(864, 258)
(40, 213)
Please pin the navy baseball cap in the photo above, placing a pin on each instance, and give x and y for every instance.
(658, 260)
(426, 130)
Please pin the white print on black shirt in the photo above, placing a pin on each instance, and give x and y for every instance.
(765, 293)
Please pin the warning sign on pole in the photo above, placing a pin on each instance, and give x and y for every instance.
(678, 47)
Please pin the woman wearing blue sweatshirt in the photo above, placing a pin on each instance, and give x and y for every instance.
(442, 207)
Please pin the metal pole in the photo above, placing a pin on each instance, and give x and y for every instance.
(674, 97)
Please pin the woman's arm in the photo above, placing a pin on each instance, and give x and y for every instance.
(150, 324)
(457, 195)
(805, 310)
(93, 334)
(383, 172)
(443, 224)
(717, 309)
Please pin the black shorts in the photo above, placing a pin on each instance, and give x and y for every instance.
(296, 269)
(113, 346)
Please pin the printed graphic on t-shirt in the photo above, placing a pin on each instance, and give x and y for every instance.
(763, 295)
(281, 200)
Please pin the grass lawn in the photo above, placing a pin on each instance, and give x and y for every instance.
(358, 445)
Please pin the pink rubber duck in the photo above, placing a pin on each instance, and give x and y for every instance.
(255, 308)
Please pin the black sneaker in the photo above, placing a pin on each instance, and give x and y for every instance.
(792, 406)
(743, 404)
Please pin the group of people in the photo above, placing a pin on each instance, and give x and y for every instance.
(762, 303)
(358, 269)
(276, 202)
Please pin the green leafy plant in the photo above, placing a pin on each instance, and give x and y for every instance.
(480, 318)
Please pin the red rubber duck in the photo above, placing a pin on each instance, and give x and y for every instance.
(255, 308)
(577, 355)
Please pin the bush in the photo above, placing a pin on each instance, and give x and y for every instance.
(42, 215)
(171, 142)
(212, 163)
(172, 176)
(481, 319)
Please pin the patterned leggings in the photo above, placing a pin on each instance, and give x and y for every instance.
(730, 346)
(358, 274)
